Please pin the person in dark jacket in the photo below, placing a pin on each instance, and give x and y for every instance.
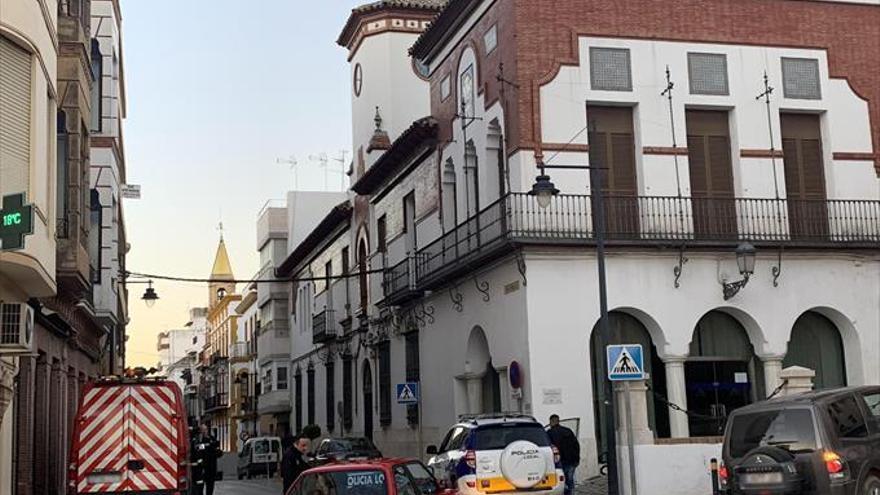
(205, 451)
(293, 461)
(569, 450)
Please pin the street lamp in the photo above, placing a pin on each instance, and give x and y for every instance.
(543, 190)
(745, 261)
(150, 297)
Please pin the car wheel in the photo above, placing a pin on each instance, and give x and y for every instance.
(872, 485)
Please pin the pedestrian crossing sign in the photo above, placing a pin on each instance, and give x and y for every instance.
(626, 362)
(408, 393)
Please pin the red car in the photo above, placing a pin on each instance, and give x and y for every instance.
(372, 477)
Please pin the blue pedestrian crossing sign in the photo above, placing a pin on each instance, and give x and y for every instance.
(408, 393)
(626, 362)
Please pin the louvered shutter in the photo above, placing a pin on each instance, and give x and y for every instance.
(721, 180)
(623, 179)
(697, 164)
(804, 176)
(15, 116)
(711, 174)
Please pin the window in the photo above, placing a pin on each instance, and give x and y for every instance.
(405, 485)
(409, 222)
(328, 274)
(310, 377)
(381, 233)
(422, 477)
(385, 383)
(412, 372)
(95, 236)
(490, 39)
(358, 79)
(359, 482)
(97, 86)
(456, 439)
(445, 88)
(282, 378)
(62, 176)
(346, 266)
(297, 400)
(347, 419)
(791, 429)
(707, 73)
(711, 172)
(330, 394)
(610, 69)
(267, 380)
(873, 403)
(847, 418)
(800, 78)
(466, 95)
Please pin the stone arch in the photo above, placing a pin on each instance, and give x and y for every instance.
(749, 324)
(650, 324)
(481, 381)
(477, 355)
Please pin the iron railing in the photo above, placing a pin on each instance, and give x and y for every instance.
(323, 327)
(637, 220)
(216, 401)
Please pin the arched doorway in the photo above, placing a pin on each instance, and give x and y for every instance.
(368, 400)
(483, 381)
(816, 344)
(722, 373)
(626, 329)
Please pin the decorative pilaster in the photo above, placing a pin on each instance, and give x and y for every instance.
(772, 369)
(677, 394)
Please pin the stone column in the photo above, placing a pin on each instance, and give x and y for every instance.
(797, 380)
(677, 394)
(638, 409)
(772, 369)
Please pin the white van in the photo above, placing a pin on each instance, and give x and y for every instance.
(259, 455)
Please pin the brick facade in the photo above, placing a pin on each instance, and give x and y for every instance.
(544, 34)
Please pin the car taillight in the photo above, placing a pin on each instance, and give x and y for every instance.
(470, 458)
(723, 476)
(557, 459)
(834, 464)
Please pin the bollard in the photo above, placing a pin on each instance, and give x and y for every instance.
(713, 470)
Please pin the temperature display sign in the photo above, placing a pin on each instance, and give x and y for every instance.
(16, 221)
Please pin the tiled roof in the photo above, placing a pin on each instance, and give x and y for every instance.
(421, 131)
(443, 26)
(431, 6)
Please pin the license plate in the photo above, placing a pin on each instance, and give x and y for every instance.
(97, 479)
(761, 478)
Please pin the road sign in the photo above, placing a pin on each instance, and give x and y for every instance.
(626, 362)
(16, 221)
(408, 393)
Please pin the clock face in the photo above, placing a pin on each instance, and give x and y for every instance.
(358, 82)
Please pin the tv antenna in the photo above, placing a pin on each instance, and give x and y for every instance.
(292, 163)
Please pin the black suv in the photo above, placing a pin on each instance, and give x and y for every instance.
(345, 449)
(822, 443)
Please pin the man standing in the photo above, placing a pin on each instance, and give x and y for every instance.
(205, 451)
(569, 450)
(293, 462)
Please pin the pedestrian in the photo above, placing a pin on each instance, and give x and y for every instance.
(205, 451)
(569, 450)
(293, 461)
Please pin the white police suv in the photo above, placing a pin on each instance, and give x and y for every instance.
(499, 453)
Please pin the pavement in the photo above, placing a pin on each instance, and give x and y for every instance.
(248, 487)
(593, 486)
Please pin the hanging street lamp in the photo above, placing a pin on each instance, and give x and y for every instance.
(745, 261)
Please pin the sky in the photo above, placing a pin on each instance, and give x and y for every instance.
(217, 91)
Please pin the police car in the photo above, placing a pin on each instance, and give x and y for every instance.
(498, 453)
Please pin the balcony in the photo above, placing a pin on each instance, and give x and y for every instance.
(242, 352)
(216, 401)
(323, 327)
(516, 219)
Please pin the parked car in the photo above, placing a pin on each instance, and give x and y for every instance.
(109, 452)
(371, 477)
(259, 455)
(818, 443)
(498, 454)
(345, 449)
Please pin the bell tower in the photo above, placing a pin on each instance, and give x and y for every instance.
(222, 281)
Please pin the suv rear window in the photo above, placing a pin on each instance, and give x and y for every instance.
(790, 429)
(497, 437)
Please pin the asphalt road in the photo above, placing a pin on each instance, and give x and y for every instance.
(248, 487)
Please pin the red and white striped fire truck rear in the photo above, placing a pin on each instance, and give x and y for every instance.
(130, 436)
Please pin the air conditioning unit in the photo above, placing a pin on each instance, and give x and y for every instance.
(16, 328)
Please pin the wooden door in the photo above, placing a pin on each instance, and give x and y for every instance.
(612, 146)
(711, 174)
(804, 176)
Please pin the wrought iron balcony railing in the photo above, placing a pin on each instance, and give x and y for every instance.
(216, 401)
(635, 220)
(323, 327)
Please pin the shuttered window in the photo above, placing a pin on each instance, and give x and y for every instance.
(612, 149)
(804, 175)
(610, 69)
(711, 173)
(412, 372)
(800, 78)
(15, 116)
(347, 419)
(330, 402)
(310, 383)
(385, 383)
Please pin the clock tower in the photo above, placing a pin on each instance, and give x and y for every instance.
(388, 90)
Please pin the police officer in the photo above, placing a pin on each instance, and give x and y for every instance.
(205, 451)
